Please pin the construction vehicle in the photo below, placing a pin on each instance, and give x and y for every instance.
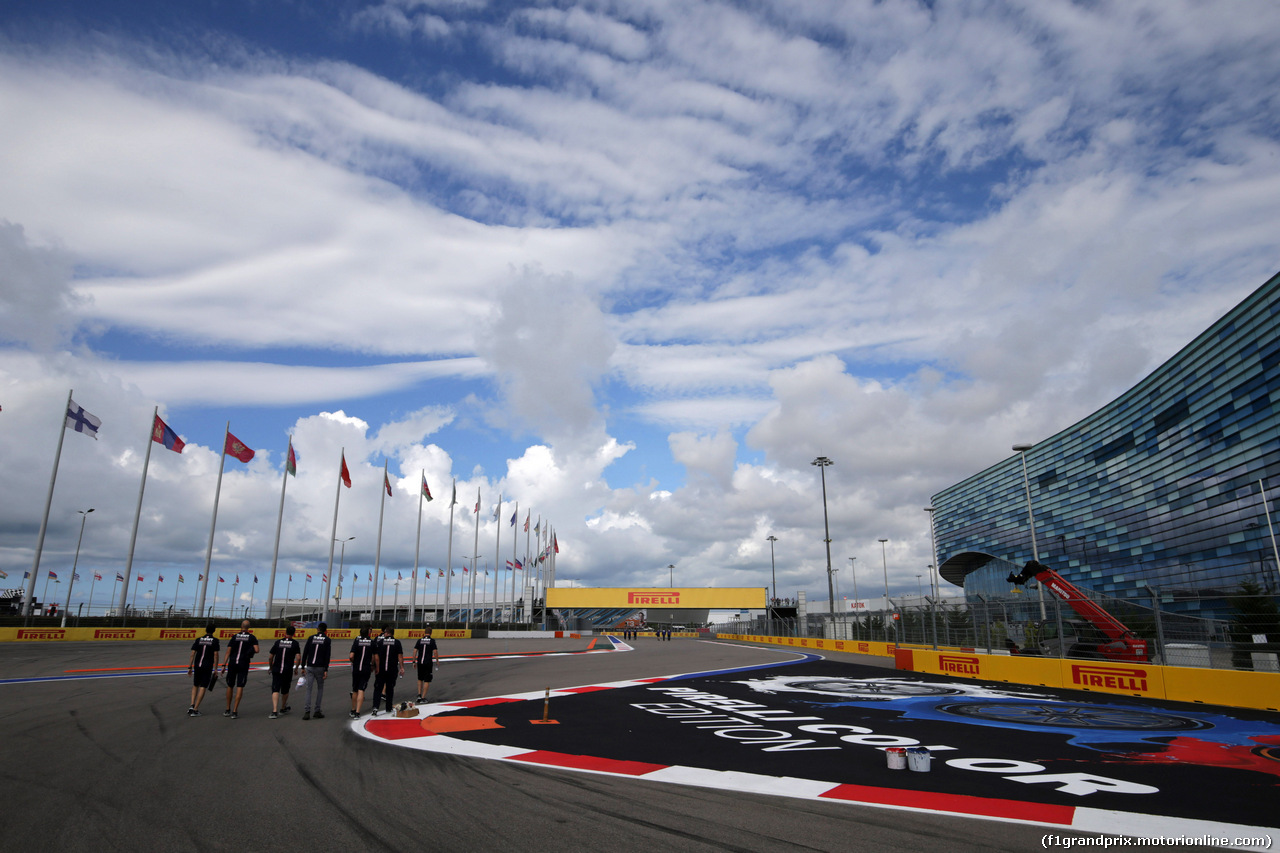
(1097, 634)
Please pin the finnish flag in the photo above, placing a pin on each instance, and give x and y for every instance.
(81, 421)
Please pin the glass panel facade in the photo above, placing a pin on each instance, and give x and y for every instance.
(1160, 488)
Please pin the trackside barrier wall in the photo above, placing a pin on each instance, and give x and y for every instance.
(857, 647)
(190, 634)
(1236, 688)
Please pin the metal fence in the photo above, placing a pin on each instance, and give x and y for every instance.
(1246, 637)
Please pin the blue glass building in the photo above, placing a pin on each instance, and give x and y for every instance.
(1158, 489)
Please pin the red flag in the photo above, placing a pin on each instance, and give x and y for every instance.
(163, 434)
(344, 473)
(235, 447)
(386, 483)
(426, 493)
(291, 463)
(555, 542)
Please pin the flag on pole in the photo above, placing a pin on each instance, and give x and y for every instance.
(237, 578)
(519, 566)
(426, 493)
(291, 463)
(476, 511)
(399, 576)
(308, 577)
(526, 522)
(161, 579)
(200, 577)
(454, 574)
(454, 499)
(511, 567)
(221, 579)
(162, 433)
(537, 528)
(53, 576)
(81, 421)
(513, 518)
(139, 578)
(344, 473)
(324, 578)
(97, 576)
(181, 579)
(255, 578)
(237, 448)
(386, 484)
(465, 570)
(555, 543)
(497, 507)
(75, 576)
(4, 574)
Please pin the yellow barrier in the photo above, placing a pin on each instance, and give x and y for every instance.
(857, 647)
(1183, 684)
(263, 634)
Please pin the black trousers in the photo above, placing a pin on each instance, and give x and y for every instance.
(384, 682)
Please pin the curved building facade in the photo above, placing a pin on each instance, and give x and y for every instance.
(1159, 491)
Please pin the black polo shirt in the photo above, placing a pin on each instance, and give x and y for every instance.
(241, 649)
(362, 655)
(424, 650)
(206, 649)
(283, 653)
(389, 654)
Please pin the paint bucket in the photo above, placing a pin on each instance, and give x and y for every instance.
(918, 759)
(897, 757)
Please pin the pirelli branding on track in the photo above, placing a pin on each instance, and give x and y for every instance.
(645, 599)
(41, 633)
(178, 633)
(115, 633)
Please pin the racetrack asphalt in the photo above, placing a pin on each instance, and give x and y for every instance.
(98, 762)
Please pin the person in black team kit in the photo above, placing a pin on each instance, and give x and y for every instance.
(427, 655)
(315, 666)
(388, 665)
(235, 667)
(204, 657)
(282, 661)
(361, 658)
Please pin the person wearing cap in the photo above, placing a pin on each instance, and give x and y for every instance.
(315, 667)
(282, 660)
(427, 655)
(388, 665)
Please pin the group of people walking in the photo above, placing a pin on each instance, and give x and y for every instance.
(658, 633)
(307, 665)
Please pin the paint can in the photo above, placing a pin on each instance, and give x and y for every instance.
(897, 757)
(918, 759)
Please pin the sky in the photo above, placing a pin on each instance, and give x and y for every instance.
(632, 265)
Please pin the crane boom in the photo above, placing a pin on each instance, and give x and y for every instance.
(1123, 645)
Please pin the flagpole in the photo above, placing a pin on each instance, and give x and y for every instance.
(288, 586)
(333, 534)
(475, 551)
(253, 586)
(91, 585)
(382, 505)
(448, 579)
(417, 546)
(175, 592)
(113, 591)
(514, 539)
(48, 502)
(275, 553)
(497, 554)
(528, 605)
(217, 493)
(134, 605)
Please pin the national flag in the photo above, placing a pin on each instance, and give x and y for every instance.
(386, 484)
(519, 566)
(324, 578)
(308, 577)
(4, 574)
(497, 507)
(537, 528)
(181, 579)
(162, 433)
(426, 493)
(526, 523)
(53, 576)
(139, 578)
(237, 448)
(466, 570)
(454, 499)
(513, 518)
(221, 579)
(344, 473)
(81, 421)
(370, 577)
(476, 511)
(97, 576)
(255, 578)
(200, 577)
(454, 574)
(26, 575)
(399, 577)
(555, 543)
(161, 579)
(510, 566)
(75, 576)
(237, 579)
(291, 461)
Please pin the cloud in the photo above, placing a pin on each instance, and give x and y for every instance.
(36, 299)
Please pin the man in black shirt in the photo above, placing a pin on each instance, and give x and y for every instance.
(282, 661)
(361, 658)
(427, 655)
(388, 665)
(315, 663)
(204, 657)
(235, 667)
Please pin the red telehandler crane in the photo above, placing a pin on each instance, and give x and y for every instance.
(1100, 635)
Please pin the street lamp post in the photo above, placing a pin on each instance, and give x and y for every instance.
(84, 514)
(1031, 519)
(774, 567)
(853, 573)
(671, 575)
(884, 561)
(822, 463)
(342, 560)
(935, 582)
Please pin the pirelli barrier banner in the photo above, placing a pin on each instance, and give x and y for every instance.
(857, 647)
(683, 598)
(189, 634)
(1242, 689)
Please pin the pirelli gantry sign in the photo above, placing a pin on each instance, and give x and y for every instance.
(667, 598)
